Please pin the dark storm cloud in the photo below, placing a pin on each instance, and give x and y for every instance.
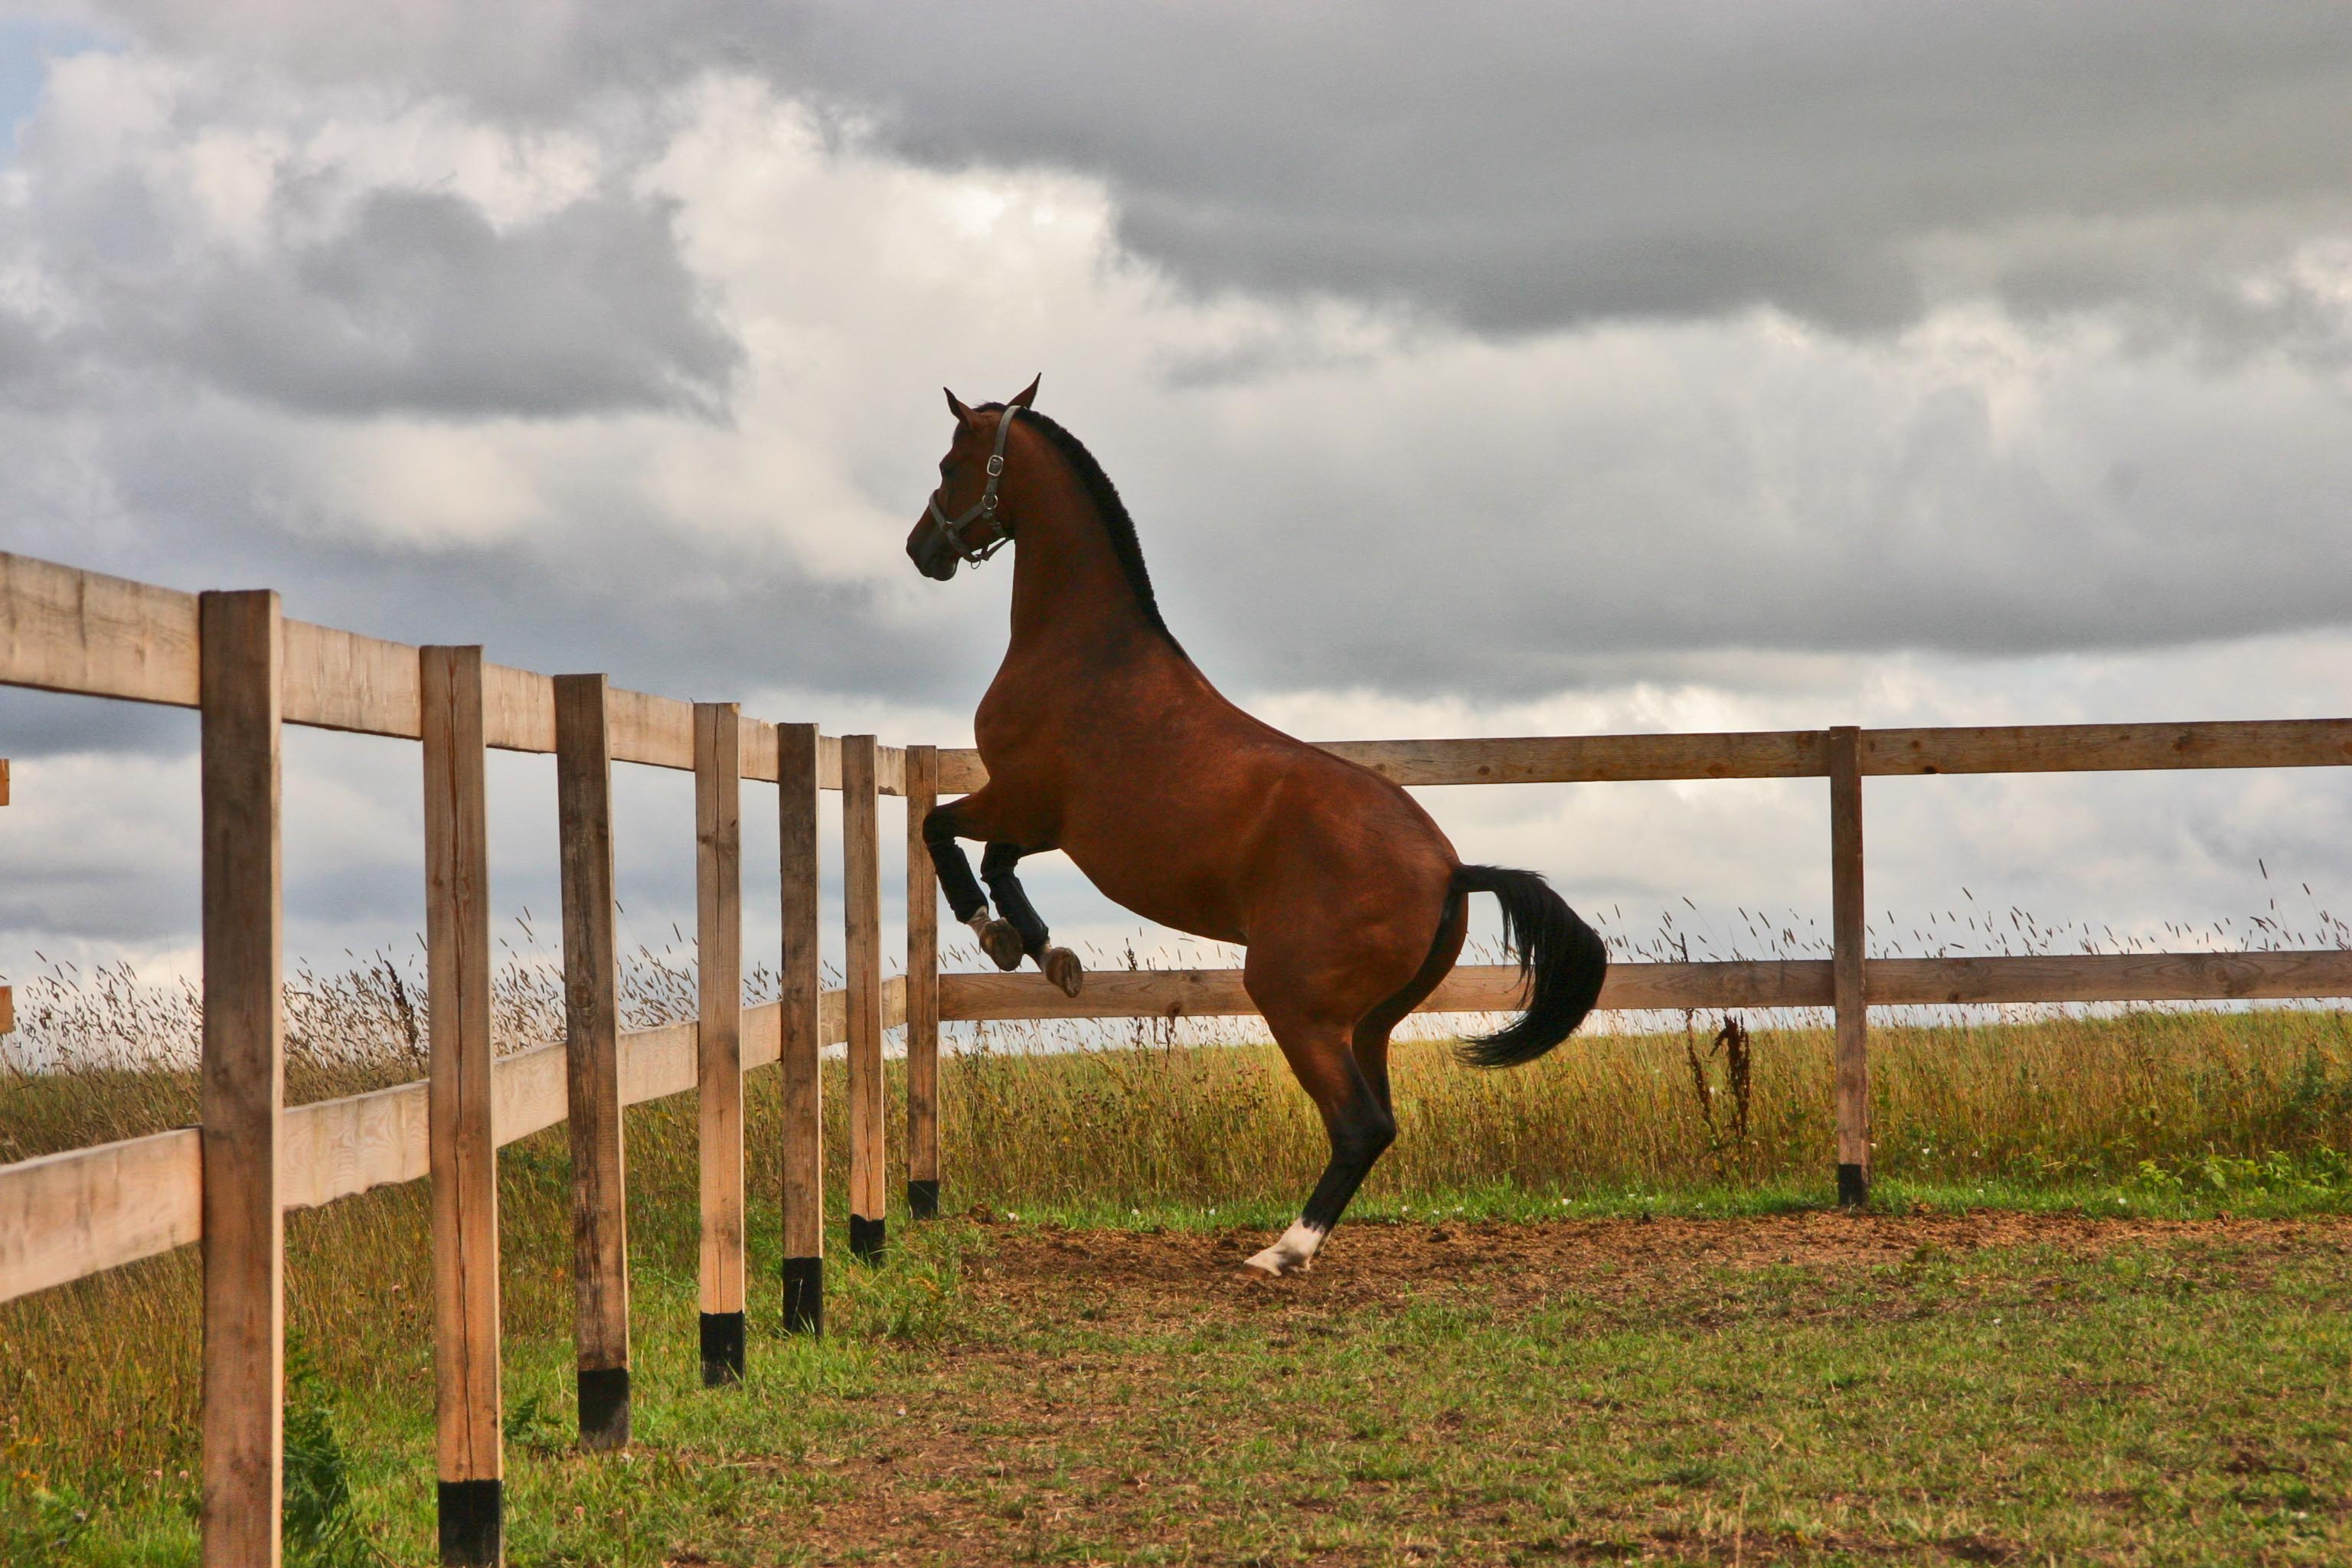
(417, 304)
(1525, 166)
(49, 723)
(1522, 166)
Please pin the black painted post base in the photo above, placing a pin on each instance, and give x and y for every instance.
(473, 1524)
(865, 1238)
(1853, 1186)
(923, 1199)
(604, 1407)
(804, 1295)
(722, 1348)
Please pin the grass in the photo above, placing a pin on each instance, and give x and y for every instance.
(2176, 1395)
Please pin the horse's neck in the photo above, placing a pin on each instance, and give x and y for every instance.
(1072, 599)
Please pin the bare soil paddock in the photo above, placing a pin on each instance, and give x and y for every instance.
(1810, 1387)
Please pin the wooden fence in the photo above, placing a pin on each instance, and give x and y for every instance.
(226, 1183)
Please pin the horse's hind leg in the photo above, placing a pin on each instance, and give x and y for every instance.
(1355, 1118)
(1060, 964)
(1371, 1034)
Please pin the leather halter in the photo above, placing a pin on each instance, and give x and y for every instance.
(984, 510)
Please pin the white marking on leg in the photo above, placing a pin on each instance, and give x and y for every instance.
(1292, 1253)
(979, 922)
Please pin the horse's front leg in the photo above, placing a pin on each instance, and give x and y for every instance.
(1020, 929)
(1060, 964)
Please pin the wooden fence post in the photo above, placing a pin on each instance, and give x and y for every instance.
(241, 644)
(1847, 973)
(802, 1031)
(861, 898)
(922, 990)
(600, 1239)
(719, 965)
(8, 997)
(463, 1147)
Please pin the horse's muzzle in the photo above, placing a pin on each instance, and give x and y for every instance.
(933, 556)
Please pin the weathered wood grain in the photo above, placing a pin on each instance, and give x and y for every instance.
(862, 915)
(2112, 977)
(2104, 747)
(800, 1031)
(67, 1217)
(921, 984)
(1849, 992)
(1668, 987)
(600, 1245)
(718, 954)
(460, 1133)
(242, 1077)
(1536, 759)
(341, 680)
(64, 630)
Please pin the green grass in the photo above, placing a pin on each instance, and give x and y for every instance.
(2179, 1397)
(2172, 1398)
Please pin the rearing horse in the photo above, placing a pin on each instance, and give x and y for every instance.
(1103, 740)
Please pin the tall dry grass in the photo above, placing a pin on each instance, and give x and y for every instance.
(2065, 1098)
(97, 1380)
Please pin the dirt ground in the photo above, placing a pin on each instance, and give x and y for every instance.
(1037, 1450)
(1042, 1268)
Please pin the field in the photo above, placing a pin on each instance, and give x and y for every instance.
(1586, 1311)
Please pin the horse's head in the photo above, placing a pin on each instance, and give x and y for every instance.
(963, 521)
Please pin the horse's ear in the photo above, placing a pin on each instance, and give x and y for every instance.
(1028, 393)
(955, 406)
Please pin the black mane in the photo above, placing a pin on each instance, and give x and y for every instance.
(1107, 507)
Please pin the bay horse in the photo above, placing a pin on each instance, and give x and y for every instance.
(1103, 740)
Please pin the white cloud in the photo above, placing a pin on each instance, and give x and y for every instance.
(639, 371)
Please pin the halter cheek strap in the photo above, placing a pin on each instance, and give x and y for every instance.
(984, 511)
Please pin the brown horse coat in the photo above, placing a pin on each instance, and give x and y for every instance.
(1103, 740)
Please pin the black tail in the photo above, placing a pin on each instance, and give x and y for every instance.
(1561, 960)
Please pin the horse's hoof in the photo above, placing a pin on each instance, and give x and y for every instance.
(1277, 1261)
(1063, 968)
(1002, 943)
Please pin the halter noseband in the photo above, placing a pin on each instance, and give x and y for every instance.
(984, 511)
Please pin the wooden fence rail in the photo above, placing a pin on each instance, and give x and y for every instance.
(249, 671)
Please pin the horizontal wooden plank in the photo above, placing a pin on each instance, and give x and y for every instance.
(336, 1148)
(1536, 759)
(1470, 988)
(657, 1063)
(2111, 977)
(960, 771)
(64, 1216)
(341, 680)
(656, 731)
(2102, 748)
(64, 630)
(1796, 754)
(1667, 987)
(1582, 759)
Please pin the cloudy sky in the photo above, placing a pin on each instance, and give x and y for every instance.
(1475, 369)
